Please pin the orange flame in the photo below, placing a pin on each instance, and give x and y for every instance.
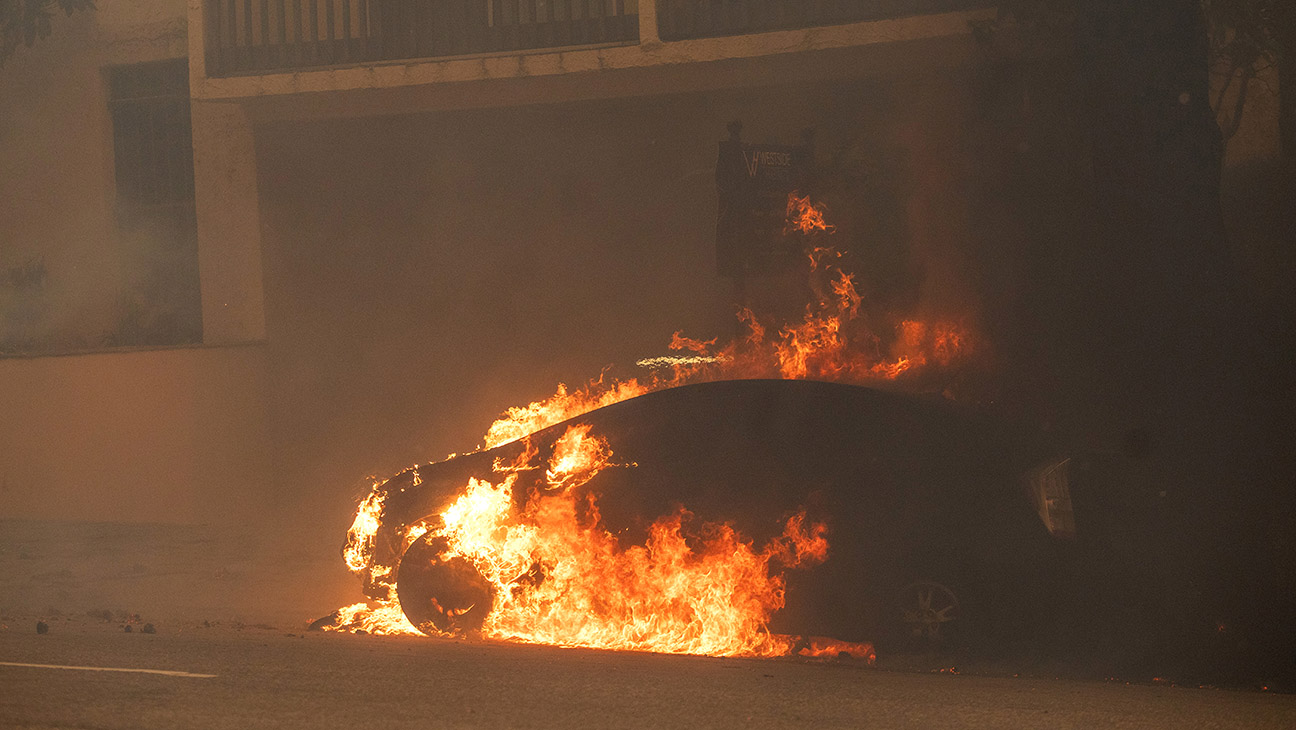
(830, 343)
(820, 647)
(358, 553)
(520, 421)
(713, 596)
(577, 457)
(384, 618)
(680, 342)
(804, 216)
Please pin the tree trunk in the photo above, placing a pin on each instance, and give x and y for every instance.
(1167, 328)
(1159, 270)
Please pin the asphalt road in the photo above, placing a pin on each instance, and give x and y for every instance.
(270, 678)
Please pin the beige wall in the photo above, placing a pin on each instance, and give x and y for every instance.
(172, 435)
(56, 143)
(229, 223)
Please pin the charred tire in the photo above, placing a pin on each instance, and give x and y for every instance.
(440, 595)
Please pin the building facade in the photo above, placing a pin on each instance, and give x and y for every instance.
(400, 217)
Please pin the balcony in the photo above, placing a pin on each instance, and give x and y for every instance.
(250, 37)
(256, 36)
(686, 19)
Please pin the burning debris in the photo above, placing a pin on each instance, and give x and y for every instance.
(820, 647)
(526, 555)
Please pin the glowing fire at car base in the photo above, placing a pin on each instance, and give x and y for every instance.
(529, 558)
(524, 553)
(553, 573)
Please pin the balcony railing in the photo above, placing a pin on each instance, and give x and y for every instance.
(682, 19)
(255, 36)
(259, 36)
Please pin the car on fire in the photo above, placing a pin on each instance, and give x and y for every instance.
(945, 525)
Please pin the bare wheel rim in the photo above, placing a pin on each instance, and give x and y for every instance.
(928, 610)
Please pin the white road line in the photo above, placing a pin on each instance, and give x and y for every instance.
(165, 672)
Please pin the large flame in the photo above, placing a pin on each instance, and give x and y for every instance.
(831, 342)
(559, 577)
(520, 421)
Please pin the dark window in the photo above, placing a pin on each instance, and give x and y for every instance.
(153, 159)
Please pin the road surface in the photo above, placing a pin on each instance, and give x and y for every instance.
(222, 677)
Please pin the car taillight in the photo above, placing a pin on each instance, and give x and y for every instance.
(1050, 492)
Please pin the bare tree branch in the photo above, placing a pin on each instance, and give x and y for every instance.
(23, 22)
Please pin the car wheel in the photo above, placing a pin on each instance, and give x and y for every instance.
(440, 595)
(928, 613)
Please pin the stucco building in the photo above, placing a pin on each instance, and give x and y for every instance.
(401, 217)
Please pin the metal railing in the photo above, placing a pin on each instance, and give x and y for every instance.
(683, 19)
(256, 36)
(259, 36)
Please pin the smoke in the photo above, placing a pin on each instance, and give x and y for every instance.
(424, 272)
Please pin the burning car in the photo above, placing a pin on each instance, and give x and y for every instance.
(729, 517)
(743, 498)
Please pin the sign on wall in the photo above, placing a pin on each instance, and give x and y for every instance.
(753, 182)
